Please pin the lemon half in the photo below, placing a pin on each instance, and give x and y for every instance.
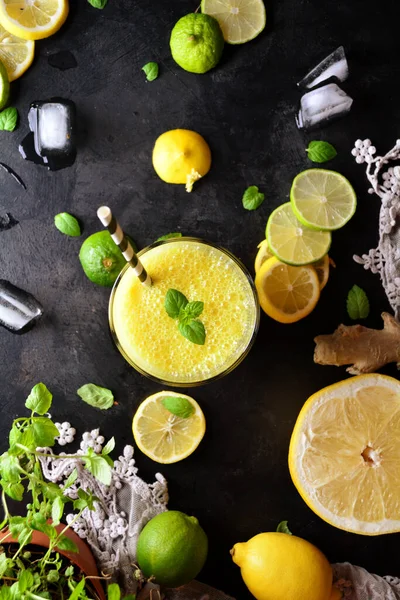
(33, 20)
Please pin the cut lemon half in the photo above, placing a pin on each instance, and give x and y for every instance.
(286, 293)
(33, 19)
(323, 199)
(322, 269)
(291, 241)
(263, 254)
(15, 53)
(164, 436)
(240, 20)
(344, 455)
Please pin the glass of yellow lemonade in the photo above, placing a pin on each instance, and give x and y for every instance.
(149, 339)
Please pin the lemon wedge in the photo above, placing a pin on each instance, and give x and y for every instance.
(263, 254)
(33, 19)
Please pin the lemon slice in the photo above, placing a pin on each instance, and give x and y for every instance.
(344, 455)
(322, 269)
(15, 53)
(286, 293)
(4, 87)
(293, 243)
(263, 254)
(323, 199)
(164, 436)
(33, 19)
(240, 20)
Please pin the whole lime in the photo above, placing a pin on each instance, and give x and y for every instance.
(101, 259)
(197, 43)
(4, 86)
(172, 548)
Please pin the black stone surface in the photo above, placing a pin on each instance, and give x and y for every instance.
(237, 482)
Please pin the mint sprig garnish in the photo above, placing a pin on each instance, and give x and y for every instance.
(178, 307)
(357, 303)
(151, 71)
(178, 406)
(252, 198)
(8, 119)
(320, 152)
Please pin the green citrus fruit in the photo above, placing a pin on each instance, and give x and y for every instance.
(172, 548)
(101, 259)
(4, 86)
(197, 43)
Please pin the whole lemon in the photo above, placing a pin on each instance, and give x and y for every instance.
(278, 566)
(181, 156)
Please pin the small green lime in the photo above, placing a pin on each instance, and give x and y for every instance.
(101, 259)
(197, 43)
(173, 548)
(4, 87)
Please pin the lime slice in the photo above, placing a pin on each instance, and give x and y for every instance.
(4, 86)
(240, 20)
(293, 243)
(323, 199)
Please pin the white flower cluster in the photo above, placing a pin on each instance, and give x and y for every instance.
(92, 439)
(67, 433)
(363, 151)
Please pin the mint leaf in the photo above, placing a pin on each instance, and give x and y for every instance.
(25, 581)
(71, 479)
(192, 310)
(193, 331)
(174, 302)
(96, 396)
(44, 431)
(178, 406)
(252, 198)
(67, 224)
(168, 236)
(99, 467)
(109, 447)
(9, 468)
(320, 152)
(64, 543)
(14, 490)
(77, 593)
(283, 528)
(113, 592)
(8, 119)
(39, 400)
(57, 510)
(98, 3)
(151, 71)
(357, 303)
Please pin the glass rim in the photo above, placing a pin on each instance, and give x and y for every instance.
(225, 371)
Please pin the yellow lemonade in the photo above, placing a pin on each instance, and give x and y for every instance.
(150, 340)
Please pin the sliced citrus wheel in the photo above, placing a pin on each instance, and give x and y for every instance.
(168, 426)
(240, 20)
(263, 254)
(15, 53)
(344, 455)
(286, 293)
(323, 199)
(322, 268)
(33, 19)
(293, 243)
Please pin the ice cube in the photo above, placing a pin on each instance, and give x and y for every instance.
(334, 65)
(52, 123)
(321, 105)
(19, 310)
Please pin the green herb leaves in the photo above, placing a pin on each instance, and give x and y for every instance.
(168, 236)
(151, 71)
(96, 396)
(8, 119)
(178, 307)
(252, 198)
(67, 224)
(98, 3)
(178, 406)
(39, 400)
(320, 152)
(357, 303)
(283, 528)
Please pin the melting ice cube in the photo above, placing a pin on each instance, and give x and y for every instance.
(322, 105)
(334, 65)
(19, 310)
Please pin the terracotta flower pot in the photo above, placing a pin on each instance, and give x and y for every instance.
(83, 559)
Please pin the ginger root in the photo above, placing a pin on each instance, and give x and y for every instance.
(366, 350)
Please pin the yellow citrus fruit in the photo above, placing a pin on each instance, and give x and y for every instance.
(344, 455)
(322, 268)
(278, 566)
(166, 436)
(15, 53)
(181, 156)
(262, 255)
(286, 293)
(33, 20)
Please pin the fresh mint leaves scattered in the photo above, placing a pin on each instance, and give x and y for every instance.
(178, 307)
(39, 400)
(151, 71)
(283, 528)
(96, 396)
(320, 152)
(178, 406)
(168, 236)
(252, 198)
(67, 224)
(357, 303)
(98, 3)
(8, 119)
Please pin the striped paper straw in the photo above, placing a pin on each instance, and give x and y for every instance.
(106, 217)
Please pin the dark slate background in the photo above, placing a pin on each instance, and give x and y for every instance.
(237, 483)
